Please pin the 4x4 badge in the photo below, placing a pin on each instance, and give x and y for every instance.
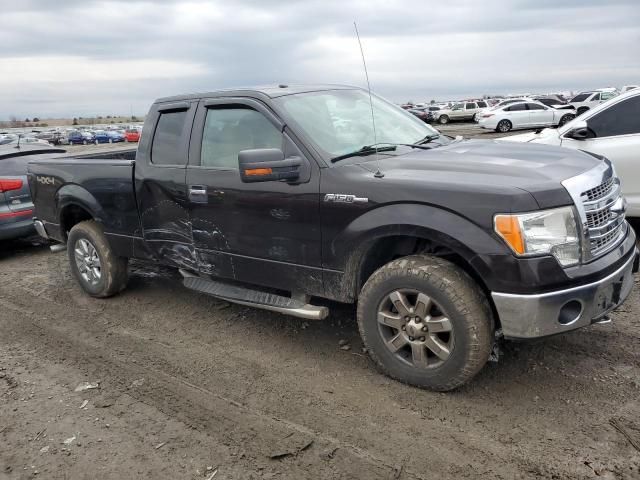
(344, 198)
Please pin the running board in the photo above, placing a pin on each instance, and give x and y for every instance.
(255, 298)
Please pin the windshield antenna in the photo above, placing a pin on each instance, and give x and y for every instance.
(378, 173)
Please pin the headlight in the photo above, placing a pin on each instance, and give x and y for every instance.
(551, 232)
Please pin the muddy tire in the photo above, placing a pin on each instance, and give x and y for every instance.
(449, 334)
(93, 264)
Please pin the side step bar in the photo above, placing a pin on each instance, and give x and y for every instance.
(254, 298)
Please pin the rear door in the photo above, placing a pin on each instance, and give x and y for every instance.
(518, 115)
(161, 192)
(265, 233)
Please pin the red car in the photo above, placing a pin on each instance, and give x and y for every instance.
(132, 135)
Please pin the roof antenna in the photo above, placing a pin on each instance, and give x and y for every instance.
(378, 173)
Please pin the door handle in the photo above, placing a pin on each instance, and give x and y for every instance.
(198, 193)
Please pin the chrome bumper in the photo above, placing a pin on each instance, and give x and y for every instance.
(532, 316)
(40, 228)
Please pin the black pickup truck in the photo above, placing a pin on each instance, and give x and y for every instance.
(270, 197)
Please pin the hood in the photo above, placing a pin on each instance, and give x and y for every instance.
(495, 166)
(545, 136)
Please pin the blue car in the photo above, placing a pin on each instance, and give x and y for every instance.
(115, 136)
(81, 138)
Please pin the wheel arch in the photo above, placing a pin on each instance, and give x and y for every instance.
(416, 229)
(75, 204)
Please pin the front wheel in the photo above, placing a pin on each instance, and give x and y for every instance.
(425, 322)
(443, 119)
(566, 118)
(93, 263)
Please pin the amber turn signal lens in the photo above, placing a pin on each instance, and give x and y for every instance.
(508, 227)
(258, 171)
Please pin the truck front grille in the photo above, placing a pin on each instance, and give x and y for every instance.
(604, 226)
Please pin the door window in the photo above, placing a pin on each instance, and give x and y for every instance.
(535, 106)
(470, 106)
(515, 108)
(229, 130)
(606, 95)
(595, 98)
(166, 147)
(623, 118)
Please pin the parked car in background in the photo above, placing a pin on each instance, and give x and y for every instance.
(612, 130)
(132, 135)
(102, 136)
(587, 100)
(16, 207)
(626, 88)
(78, 137)
(459, 112)
(554, 102)
(115, 136)
(519, 115)
(421, 113)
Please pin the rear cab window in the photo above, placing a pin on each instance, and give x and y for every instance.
(166, 148)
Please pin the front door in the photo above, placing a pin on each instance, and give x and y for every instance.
(539, 115)
(266, 233)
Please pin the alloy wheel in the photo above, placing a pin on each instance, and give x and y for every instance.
(415, 328)
(88, 261)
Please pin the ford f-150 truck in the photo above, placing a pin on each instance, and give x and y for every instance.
(272, 197)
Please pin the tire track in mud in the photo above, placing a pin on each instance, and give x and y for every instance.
(114, 341)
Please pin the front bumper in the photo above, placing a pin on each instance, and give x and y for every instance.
(532, 316)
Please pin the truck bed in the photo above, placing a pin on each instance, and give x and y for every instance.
(99, 186)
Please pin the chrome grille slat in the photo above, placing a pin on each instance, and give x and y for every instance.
(604, 227)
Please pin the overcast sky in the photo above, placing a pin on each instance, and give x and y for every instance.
(84, 57)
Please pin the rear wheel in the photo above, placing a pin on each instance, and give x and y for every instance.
(443, 119)
(581, 110)
(425, 322)
(84, 142)
(93, 263)
(503, 126)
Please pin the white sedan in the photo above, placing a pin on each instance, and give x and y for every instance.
(524, 114)
(611, 129)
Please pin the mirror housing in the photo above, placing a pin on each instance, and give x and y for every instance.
(267, 165)
(580, 131)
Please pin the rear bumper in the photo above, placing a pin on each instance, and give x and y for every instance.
(532, 316)
(20, 229)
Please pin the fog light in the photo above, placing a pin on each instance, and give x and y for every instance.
(570, 312)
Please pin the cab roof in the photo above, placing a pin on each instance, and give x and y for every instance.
(269, 91)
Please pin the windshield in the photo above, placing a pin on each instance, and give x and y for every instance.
(339, 121)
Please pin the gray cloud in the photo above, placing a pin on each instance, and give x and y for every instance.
(100, 57)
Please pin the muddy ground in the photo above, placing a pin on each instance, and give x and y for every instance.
(189, 387)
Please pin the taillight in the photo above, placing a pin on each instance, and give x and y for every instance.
(6, 185)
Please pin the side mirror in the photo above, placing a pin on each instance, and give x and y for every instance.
(267, 165)
(580, 131)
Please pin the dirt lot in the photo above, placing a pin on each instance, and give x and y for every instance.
(190, 387)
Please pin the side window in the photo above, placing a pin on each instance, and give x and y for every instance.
(607, 95)
(470, 106)
(516, 107)
(535, 106)
(595, 98)
(165, 149)
(229, 130)
(482, 105)
(623, 118)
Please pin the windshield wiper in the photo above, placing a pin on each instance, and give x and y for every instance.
(427, 139)
(365, 150)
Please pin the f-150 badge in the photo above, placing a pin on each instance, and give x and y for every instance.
(344, 198)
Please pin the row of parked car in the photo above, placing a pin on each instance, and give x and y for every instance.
(504, 115)
(73, 136)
